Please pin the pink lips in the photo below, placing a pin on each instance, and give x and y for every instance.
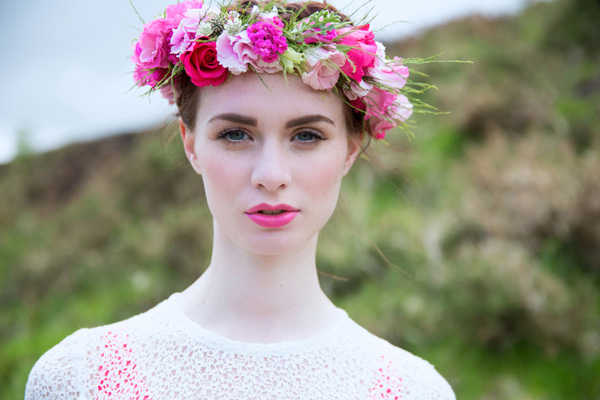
(272, 220)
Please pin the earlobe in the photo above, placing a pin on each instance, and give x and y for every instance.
(188, 140)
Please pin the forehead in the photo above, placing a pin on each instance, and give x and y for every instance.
(267, 94)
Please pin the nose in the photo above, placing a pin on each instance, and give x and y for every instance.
(271, 170)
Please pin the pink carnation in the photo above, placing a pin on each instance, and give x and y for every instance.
(237, 52)
(234, 52)
(152, 49)
(363, 53)
(322, 68)
(267, 39)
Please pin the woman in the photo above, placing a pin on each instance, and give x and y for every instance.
(273, 105)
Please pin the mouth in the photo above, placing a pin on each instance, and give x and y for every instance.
(269, 216)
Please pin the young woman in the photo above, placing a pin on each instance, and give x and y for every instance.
(274, 102)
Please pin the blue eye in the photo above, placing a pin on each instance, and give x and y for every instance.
(233, 135)
(308, 136)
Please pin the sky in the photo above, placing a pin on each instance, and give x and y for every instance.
(67, 76)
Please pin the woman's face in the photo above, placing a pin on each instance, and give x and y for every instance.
(272, 155)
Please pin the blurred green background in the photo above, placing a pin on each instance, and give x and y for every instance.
(476, 245)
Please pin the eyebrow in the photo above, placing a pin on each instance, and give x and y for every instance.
(308, 119)
(237, 118)
(245, 120)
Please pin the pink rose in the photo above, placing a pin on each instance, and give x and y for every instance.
(363, 53)
(152, 49)
(322, 68)
(202, 66)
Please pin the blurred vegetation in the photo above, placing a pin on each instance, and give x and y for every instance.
(475, 246)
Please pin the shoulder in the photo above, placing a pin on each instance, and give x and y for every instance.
(69, 370)
(58, 373)
(400, 374)
(408, 377)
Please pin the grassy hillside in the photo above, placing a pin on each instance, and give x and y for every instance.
(475, 246)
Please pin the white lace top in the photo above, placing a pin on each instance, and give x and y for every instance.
(163, 355)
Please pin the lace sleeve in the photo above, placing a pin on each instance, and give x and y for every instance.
(61, 372)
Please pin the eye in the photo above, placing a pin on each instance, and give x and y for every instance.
(233, 135)
(308, 136)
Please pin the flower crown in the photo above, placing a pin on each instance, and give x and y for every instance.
(327, 52)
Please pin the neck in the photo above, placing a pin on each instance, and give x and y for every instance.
(258, 298)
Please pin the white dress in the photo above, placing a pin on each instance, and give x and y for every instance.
(163, 355)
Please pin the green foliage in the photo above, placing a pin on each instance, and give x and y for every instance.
(474, 246)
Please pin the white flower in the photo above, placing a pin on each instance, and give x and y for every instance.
(204, 29)
(233, 26)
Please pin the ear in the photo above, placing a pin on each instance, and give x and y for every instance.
(189, 142)
(354, 142)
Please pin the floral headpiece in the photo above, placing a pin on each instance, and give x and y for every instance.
(328, 53)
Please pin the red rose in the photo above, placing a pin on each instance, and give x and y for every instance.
(201, 65)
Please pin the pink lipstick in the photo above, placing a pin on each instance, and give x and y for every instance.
(269, 216)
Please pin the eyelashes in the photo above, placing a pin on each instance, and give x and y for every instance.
(233, 135)
(237, 136)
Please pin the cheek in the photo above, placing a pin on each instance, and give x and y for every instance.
(222, 177)
(323, 175)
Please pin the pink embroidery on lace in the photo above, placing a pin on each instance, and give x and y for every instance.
(388, 383)
(118, 376)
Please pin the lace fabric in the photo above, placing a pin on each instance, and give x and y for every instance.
(163, 355)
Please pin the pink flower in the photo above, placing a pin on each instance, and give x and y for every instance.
(392, 74)
(237, 52)
(234, 52)
(167, 92)
(363, 53)
(201, 65)
(151, 77)
(178, 10)
(152, 49)
(378, 101)
(315, 35)
(185, 33)
(322, 68)
(380, 126)
(400, 110)
(267, 39)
